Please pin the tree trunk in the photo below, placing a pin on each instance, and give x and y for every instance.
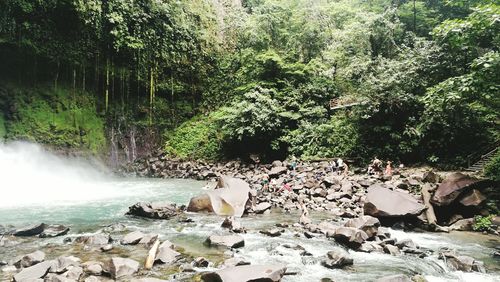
(414, 16)
(83, 77)
(107, 86)
(57, 74)
(151, 95)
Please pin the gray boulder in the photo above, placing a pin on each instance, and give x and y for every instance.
(383, 202)
(270, 273)
(160, 210)
(122, 267)
(31, 230)
(350, 236)
(34, 272)
(228, 241)
(452, 187)
(166, 254)
(368, 224)
(62, 264)
(132, 238)
(261, 207)
(54, 231)
(30, 259)
(337, 258)
(94, 240)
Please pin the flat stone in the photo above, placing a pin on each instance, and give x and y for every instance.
(228, 241)
(271, 273)
(54, 231)
(132, 238)
(122, 267)
(30, 259)
(33, 272)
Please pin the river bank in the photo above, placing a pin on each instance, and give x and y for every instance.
(99, 238)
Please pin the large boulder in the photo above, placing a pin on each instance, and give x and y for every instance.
(461, 263)
(337, 258)
(350, 236)
(228, 241)
(122, 267)
(472, 198)
(200, 203)
(160, 210)
(367, 223)
(30, 259)
(229, 199)
(54, 231)
(452, 187)
(244, 273)
(132, 238)
(385, 203)
(166, 254)
(31, 230)
(34, 272)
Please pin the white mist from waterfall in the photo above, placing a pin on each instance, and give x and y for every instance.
(30, 175)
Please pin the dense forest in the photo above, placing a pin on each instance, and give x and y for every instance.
(224, 79)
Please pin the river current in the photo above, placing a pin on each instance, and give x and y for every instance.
(37, 186)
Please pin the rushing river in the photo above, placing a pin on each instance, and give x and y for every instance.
(37, 186)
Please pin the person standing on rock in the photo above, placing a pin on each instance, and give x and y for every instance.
(388, 169)
(340, 166)
(333, 165)
(377, 165)
(304, 217)
(265, 182)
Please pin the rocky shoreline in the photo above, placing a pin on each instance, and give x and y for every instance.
(356, 210)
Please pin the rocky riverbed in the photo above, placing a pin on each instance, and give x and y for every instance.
(329, 227)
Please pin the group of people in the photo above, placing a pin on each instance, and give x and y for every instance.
(376, 168)
(339, 167)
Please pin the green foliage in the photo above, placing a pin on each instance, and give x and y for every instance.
(55, 118)
(3, 130)
(338, 137)
(482, 223)
(492, 169)
(197, 138)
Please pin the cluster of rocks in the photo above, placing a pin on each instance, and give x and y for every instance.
(411, 196)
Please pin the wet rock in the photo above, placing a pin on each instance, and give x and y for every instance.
(232, 224)
(33, 272)
(160, 210)
(73, 273)
(62, 264)
(115, 227)
(132, 238)
(107, 248)
(54, 231)
(200, 262)
(262, 207)
(369, 247)
(122, 267)
(93, 268)
(186, 267)
(30, 259)
(391, 249)
(337, 258)
(275, 232)
(461, 263)
(366, 223)
(94, 240)
(200, 203)
(31, 230)
(382, 202)
(8, 269)
(231, 262)
(228, 241)
(451, 188)
(465, 224)
(271, 273)
(148, 239)
(166, 254)
(406, 243)
(350, 236)
(309, 235)
(394, 278)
